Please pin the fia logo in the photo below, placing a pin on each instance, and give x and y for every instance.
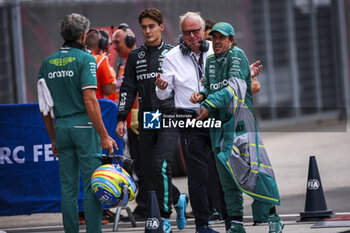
(152, 223)
(151, 120)
(313, 184)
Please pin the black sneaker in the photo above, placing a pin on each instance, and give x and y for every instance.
(205, 229)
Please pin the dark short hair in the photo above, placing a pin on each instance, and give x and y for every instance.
(73, 26)
(152, 13)
(104, 33)
(209, 23)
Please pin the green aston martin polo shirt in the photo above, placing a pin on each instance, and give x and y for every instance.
(67, 73)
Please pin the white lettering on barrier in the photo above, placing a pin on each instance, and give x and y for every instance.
(15, 154)
(48, 153)
(5, 154)
(37, 151)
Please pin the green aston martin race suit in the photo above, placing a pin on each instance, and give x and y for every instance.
(241, 159)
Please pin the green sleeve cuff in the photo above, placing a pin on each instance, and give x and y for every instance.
(207, 105)
(204, 95)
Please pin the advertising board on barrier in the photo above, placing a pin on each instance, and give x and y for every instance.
(29, 178)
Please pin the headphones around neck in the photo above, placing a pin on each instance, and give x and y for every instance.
(103, 42)
(130, 40)
(186, 50)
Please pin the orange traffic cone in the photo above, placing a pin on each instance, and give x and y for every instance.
(315, 204)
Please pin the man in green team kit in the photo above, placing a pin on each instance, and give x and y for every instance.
(241, 158)
(69, 75)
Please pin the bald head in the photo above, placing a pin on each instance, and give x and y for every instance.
(119, 44)
(92, 40)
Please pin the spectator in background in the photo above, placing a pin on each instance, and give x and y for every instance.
(124, 42)
(106, 83)
(106, 49)
(106, 52)
(209, 23)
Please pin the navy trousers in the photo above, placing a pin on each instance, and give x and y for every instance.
(196, 147)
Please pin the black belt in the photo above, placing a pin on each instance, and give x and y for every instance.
(71, 115)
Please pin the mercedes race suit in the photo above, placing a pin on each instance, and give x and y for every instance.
(142, 68)
(156, 145)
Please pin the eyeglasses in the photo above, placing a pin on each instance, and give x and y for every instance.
(194, 31)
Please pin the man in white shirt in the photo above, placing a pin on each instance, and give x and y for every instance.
(183, 74)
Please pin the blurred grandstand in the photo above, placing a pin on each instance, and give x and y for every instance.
(303, 45)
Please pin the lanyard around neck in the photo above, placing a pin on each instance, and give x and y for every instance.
(199, 64)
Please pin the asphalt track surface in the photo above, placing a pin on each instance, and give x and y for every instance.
(289, 151)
